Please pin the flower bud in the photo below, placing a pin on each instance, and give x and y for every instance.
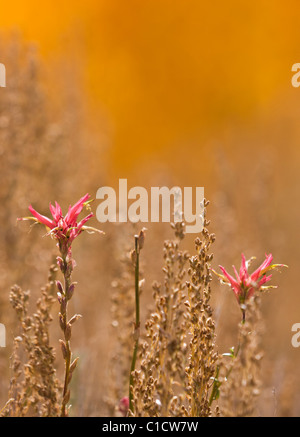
(70, 291)
(62, 322)
(63, 348)
(63, 305)
(61, 264)
(141, 238)
(59, 297)
(60, 287)
(68, 332)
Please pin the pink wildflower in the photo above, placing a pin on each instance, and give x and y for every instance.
(64, 228)
(244, 284)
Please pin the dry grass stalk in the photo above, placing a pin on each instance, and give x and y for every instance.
(122, 310)
(202, 355)
(178, 358)
(139, 241)
(164, 353)
(65, 293)
(242, 387)
(34, 388)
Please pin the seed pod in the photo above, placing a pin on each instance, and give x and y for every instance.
(68, 332)
(141, 238)
(63, 348)
(141, 284)
(62, 322)
(70, 291)
(74, 319)
(60, 287)
(63, 305)
(59, 297)
(73, 365)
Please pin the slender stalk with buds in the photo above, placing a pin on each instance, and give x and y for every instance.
(65, 293)
(65, 229)
(138, 245)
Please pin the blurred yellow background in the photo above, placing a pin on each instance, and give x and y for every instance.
(168, 74)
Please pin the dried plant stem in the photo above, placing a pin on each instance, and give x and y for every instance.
(137, 318)
(34, 388)
(203, 358)
(11, 400)
(159, 383)
(241, 390)
(65, 293)
(137, 280)
(68, 349)
(132, 369)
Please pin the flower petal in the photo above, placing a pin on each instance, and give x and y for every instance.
(75, 210)
(84, 220)
(243, 270)
(234, 284)
(263, 268)
(41, 218)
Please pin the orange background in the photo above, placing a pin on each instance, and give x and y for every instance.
(168, 74)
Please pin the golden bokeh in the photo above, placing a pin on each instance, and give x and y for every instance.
(168, 74)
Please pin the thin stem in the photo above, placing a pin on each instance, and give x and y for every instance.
(66, 268)
(135, 350)
(215, 387)
(217, 384)
(137, 279)
(67, 371)
(244, 316)
(137, 321)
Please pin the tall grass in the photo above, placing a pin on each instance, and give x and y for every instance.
(192, 354)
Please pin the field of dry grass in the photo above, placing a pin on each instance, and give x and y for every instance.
(50, 150)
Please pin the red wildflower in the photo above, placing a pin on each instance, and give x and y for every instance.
(64, 228)
(245, 285)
